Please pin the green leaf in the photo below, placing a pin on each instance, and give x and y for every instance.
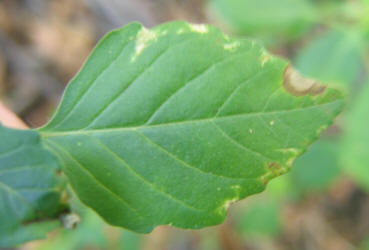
(318, 168)
(131, 241)
(260, 218)
(355, 148)
(28, 232)
(265, 17)
(29, 188)
(333, 57)
(172, 125)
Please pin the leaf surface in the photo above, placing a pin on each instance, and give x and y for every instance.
(29, 188)
(265, 17)
(318, 168)
(173, 124)
(355, 141)
(340, 58)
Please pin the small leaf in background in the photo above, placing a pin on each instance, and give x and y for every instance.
(280, 187)
(318, 168)
(131, 241)
(335, 57)
(260, 218)
(355, 148)
(172, 125)
(265, 17)
(29, 188)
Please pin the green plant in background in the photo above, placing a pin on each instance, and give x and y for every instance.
(266, 19)
(164, 126)
(340, 58)
(354, 146)
(262, 219)
(317, 169)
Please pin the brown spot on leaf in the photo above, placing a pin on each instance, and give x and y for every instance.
(273, 165)
(274, 169)
(297, 85)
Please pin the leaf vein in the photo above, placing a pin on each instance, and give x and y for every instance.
(226, 135)
(140, 177)
(229, 98)
(117, 129)
(12, 150)
(270, 98)
(19, 168)
(140, 74)
(93, 177)
(204, 72)
(9, 189)
(92, 83)
(173, 156)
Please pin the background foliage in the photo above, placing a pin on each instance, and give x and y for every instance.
(322, 204)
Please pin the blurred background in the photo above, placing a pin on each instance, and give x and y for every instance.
(323, 203)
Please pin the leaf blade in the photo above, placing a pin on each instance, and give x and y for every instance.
(186, 122)
(29, 188)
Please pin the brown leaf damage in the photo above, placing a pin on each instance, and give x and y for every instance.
(298, 85)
